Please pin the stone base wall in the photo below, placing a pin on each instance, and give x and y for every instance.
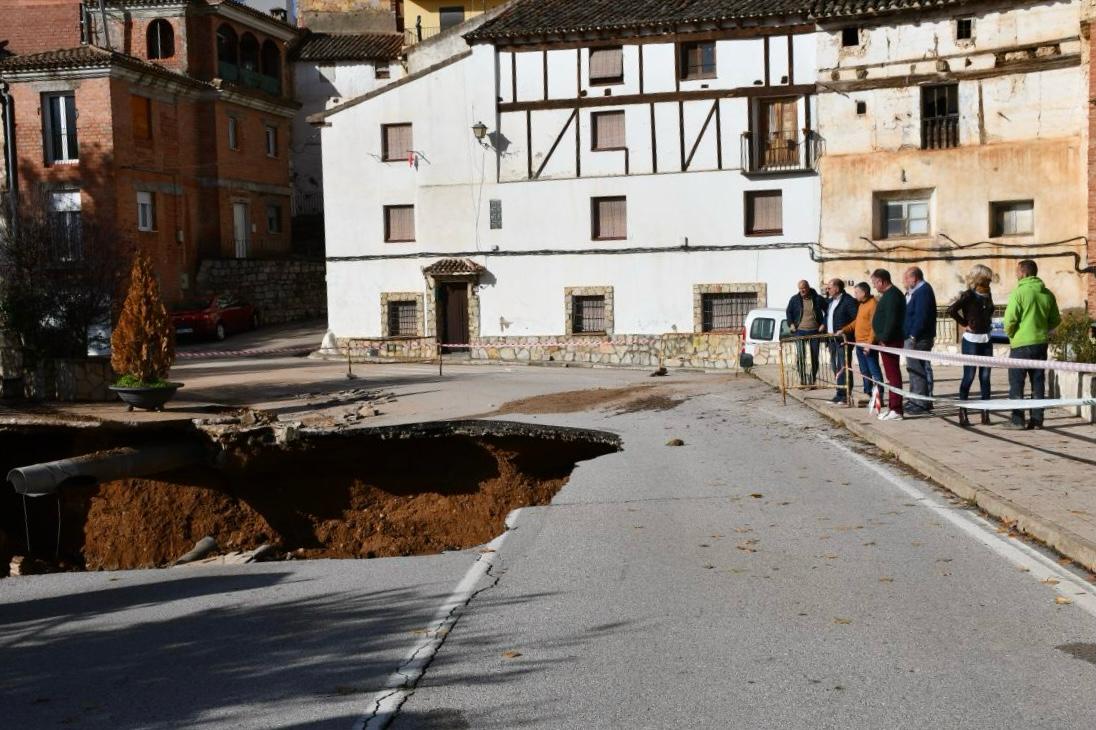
(384, 349)
(281, 290)
(70, 380)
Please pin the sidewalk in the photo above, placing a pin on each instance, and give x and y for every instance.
(1040, 482)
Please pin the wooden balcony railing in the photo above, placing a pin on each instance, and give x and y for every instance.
(939, 133)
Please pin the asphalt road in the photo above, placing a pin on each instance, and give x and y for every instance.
(760, 576)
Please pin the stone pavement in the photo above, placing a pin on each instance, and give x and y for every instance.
(1042, 482)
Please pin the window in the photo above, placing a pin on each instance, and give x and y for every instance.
(381, 70)
(778, 135)
(588, 314)
(271, 141)
(964, 29)
(403, 318)
(904, 217)
(140, 108)
(59, 127)
(233, 133)
(66, 235)
(1012, 218)
(939, 116)
(496, 214)
(606, 65)
(450, 16)
(146, 211)
(160, 39)
(609, 218)
(861, 108)
(850, 37)
(274, 218)
(396, 142)
(762, 329)
(725, 311)
(698, 60)
(608, 131)
(399, 223)
(764, 213)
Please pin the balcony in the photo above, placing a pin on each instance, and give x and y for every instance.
(763, 156)
(938, 133)
(248, 78)
(419, 33)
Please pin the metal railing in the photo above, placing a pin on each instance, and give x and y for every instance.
(251, 79)
(420, 33)
(939, 133)
(806, 363)
(762, 155)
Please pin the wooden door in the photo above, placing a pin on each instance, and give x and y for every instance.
(779, 122)
(453, 314)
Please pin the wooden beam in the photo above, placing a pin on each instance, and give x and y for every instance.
(654, 142)
(635, 39)
(703, 129)
(555, 144)
(529, 143)
(660, 97)
(718, 136)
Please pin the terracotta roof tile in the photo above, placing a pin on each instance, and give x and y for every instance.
(85, 57)
(350, 47)
(453, 267)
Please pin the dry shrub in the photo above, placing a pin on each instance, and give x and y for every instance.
(143, 343)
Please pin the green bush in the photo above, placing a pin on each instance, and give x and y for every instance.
(1072, 340)
(132, 381)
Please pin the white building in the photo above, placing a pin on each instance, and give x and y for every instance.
(644, 178)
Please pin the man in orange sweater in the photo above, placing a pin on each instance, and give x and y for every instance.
(859, 330)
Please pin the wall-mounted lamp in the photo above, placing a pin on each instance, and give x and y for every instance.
(479, 129)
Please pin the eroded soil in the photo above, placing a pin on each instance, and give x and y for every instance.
(653, 397)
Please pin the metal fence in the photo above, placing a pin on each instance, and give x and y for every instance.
(806, 363)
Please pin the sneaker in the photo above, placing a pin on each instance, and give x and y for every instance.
(1013, 426)
(883, 415)
(892, 416)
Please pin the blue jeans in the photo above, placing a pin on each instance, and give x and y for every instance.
(975, 348)
(869, 366)
(839, 352)
(1017, 377)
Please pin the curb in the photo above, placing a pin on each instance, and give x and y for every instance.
(1064, 541)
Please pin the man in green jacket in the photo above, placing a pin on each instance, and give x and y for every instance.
(1031, 314)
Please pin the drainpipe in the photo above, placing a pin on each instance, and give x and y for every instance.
(7, 110)
(38, 480)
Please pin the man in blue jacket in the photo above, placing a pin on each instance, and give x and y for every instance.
(806, 316)
(840, 311)
(920, 333)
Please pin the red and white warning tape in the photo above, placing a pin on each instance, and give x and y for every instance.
(953, 358)
(256, 352)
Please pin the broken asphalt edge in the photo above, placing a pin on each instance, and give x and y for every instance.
(1043, 529)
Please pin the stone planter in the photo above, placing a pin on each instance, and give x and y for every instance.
(148, 399)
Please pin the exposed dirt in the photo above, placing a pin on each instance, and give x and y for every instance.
(625, 400)
(347, 498)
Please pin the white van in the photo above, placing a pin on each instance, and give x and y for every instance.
(763, 327)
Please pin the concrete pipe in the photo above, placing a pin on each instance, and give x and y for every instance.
(37, 480)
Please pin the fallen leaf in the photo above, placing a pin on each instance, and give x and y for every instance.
(1064, 561)
(1050, 581)
(675, 442)
(842, 621)
(511, 654)
(886, 579)
(756, 495)
(487, 550)
(1063, 600)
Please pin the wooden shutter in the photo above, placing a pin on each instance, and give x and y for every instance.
(141, 108)
(764, 212)
(399, 223)
(397, 141)
(610, 218)
(606, 65)
(609, 131)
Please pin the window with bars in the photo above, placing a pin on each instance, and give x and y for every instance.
(606, 65)
(1012, 218)
(698, 60)
(59, 128)
(608, 130)
(726, 311)
(396, 142)
(141, 114)
(609, 218)
(402, 318)
(399, 223)
(588, 314)
(939, 116)
(146, 211)
(764, 213)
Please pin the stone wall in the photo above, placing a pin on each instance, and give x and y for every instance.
(70, 380)
(11, 364)
(281, 290)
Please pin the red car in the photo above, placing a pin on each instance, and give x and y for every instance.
(214, 317)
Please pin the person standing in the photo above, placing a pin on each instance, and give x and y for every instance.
(973, 312)
(920, 334)
(806, 316)
(861, 332)
(890, 313)
(1031, 314)
(840, 312)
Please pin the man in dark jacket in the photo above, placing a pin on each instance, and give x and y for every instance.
(920, 334)
(890, 313)
(840, 311)
(806, 315)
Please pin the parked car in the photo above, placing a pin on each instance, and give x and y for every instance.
(215, 317)
(763, 327)
(997, 331)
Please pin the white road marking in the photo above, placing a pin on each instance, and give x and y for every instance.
(386, 703)
(1042, 568)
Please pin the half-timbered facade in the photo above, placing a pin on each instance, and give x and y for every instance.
(606, 182)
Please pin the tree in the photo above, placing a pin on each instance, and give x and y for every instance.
(143, 342)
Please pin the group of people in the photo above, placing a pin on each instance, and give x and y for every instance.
(908, 321)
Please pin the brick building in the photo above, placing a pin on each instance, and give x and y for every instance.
(166, 119)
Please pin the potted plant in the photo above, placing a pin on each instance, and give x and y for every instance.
(1073, 341)
(143, 343)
